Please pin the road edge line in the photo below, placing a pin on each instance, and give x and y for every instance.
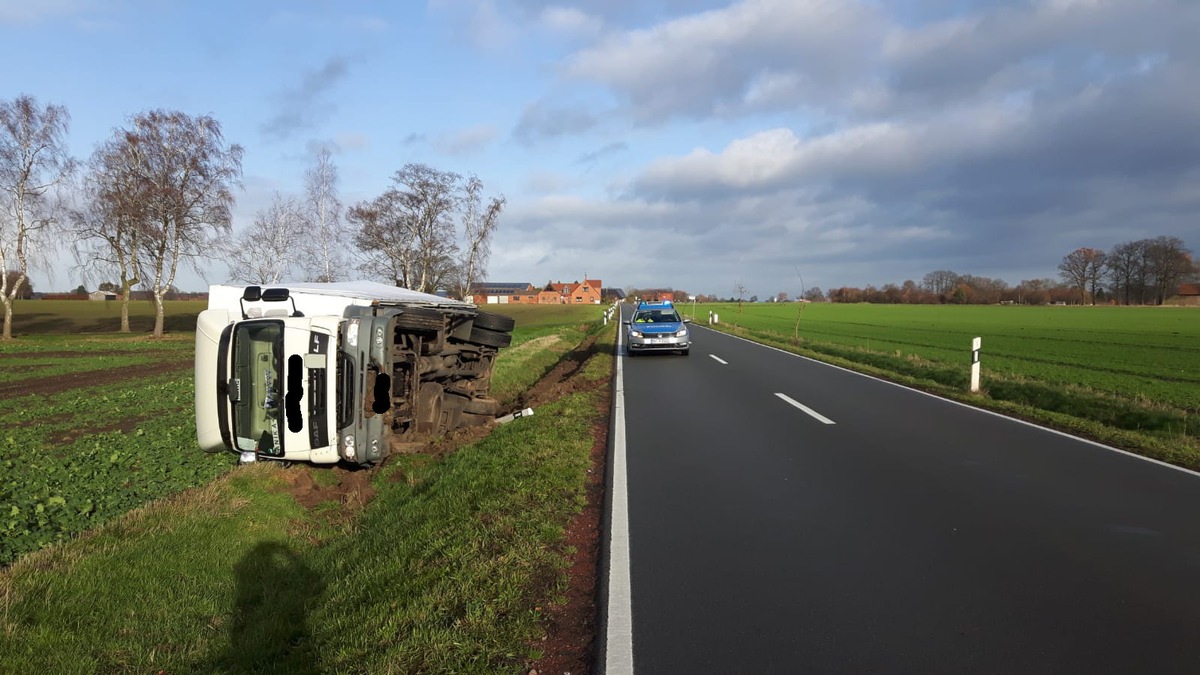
(617, 655)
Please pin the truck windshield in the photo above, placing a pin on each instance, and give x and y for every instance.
(258, 368)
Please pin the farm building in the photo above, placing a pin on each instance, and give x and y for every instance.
(1189, 294)
(553, 293)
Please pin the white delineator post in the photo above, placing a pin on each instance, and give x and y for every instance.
(975, 346)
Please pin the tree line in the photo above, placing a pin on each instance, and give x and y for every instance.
(1142, 272)
(160, 191)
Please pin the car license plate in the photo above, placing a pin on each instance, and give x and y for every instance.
(656, 341)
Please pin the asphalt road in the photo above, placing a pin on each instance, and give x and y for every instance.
(887, 531)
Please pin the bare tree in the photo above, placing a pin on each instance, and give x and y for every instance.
(33, 162)
(1083, 268)
(264, 252)
(325, 250)
(188, 174)
(479, 222)
(407, 233)
(1170, 262)
(739, 289)
(1122, 265)
(940, 282)
(383, 239)
(111, 220)
(24, 289)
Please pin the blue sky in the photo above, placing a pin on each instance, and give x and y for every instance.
(685, 143)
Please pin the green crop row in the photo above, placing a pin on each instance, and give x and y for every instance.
(1136, 353)
(78, 459)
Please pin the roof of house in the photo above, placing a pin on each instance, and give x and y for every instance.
(499, 287)
(1189, 289)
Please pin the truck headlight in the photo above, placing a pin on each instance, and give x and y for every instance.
(348, 450)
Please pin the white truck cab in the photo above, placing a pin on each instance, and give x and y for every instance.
(339, 371)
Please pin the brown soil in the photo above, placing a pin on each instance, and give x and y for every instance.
(352, 490)
(571, 628)
(173, 362)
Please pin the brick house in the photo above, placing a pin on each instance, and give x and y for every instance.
(503, 293)
(587, 292)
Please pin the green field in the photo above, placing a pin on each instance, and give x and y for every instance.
(1128, 375)
(156, 557)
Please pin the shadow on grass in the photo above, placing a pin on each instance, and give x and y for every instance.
(269, 633)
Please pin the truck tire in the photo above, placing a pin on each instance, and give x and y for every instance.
(482, 406)
(497, 322)
(489, 338)
(421, 318)
(472, 420)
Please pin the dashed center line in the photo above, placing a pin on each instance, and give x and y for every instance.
(813, 413)
(719, 360)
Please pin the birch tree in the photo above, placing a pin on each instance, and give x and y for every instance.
(408, 232)
(187, 175)
(33, 162)
(265, 252)
(325, 241)
(479, 222)
(109, 223)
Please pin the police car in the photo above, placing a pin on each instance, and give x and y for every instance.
(656, 326)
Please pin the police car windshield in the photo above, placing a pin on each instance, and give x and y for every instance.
(657, 316)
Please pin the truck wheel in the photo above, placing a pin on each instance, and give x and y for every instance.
(429, 408)
(470, 420)
(421, 318)
(482, 406)
(489, 338)
(462, 329)
(497, 322)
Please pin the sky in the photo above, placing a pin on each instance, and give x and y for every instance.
(775, 145)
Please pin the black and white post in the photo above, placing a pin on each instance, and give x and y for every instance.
(975, 346)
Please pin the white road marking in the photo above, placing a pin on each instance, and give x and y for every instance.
(618, 653)
(815, 415)
(719, 360)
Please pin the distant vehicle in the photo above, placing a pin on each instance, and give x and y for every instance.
(656, 326)
(349, 371)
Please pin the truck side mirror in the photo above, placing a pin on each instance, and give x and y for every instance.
(252, 294)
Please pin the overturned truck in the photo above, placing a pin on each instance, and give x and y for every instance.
(329, 372)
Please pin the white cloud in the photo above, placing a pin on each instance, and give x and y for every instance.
(782, 52)
(570, 22)
(482, 22)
